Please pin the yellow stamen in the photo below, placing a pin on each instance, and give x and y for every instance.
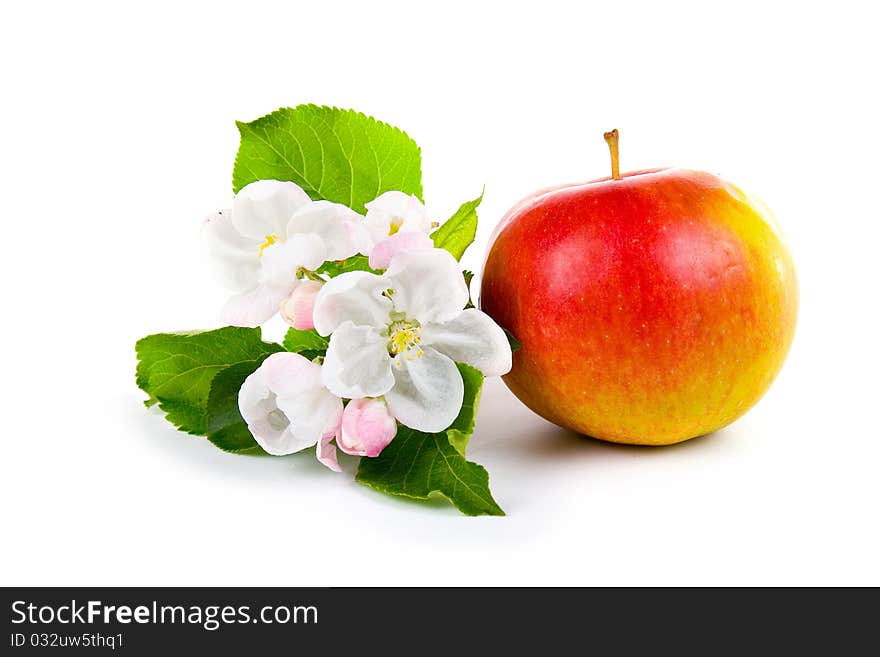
(270, 240)
(403, 335)
(396, 223)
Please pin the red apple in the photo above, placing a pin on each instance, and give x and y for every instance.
(652, 307)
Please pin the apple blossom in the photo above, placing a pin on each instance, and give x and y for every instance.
(286, 406)
(394, 212)
(271, 234)
(390, 214)
(398, 335)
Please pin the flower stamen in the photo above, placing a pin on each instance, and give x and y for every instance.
(270, 240)
(394, 226)
(402, 336)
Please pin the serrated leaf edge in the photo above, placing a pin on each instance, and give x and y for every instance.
(274, 115)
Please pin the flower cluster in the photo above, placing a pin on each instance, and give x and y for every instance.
(396, 329)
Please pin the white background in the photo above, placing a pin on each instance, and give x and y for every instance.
(118, 138)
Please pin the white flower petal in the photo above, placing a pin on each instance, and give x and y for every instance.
(357, 363)
(362, 239)
(394, 212)
(285, 405)
(280, 261)
(311, 409)
(311, 414)
(428, 390)
(354, 297)
(326, 453)
(428, 285)
(291, 375)
(381, 254)
(334, 223)
(268, 424)
(233, 256)
(264, 207)
(255, 307)
(472, 338)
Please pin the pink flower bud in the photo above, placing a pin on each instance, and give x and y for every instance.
(297, 309)
(367, 428)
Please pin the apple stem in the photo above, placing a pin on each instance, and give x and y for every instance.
(612, 139)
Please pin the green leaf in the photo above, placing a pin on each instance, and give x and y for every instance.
(308, 344)
(333, 154)
(176, 369)
(515, 345)
(458, 232)
(354, 263)
(225, 426)
(459, 432)
(417, 464)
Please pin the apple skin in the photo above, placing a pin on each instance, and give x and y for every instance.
(651, 309)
